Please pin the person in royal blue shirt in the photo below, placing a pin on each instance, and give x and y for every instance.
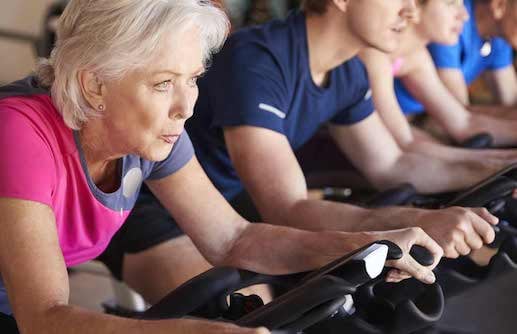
(273, 86)
(484, 47)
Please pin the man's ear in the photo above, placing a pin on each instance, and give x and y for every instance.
(498, 8)
(91, 87)
(341, 4)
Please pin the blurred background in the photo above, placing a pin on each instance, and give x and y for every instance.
(21, 23)
(26, 32)
(26, 28)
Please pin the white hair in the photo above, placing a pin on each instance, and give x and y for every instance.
(115, 37)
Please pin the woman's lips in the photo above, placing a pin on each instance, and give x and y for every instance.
(169, 139)
(399, 27)
(457, 30)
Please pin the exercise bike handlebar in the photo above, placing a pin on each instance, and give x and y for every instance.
(214, 285)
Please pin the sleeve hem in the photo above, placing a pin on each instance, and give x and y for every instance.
(163, 173)
(25, 197)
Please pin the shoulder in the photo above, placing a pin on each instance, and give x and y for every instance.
(34, 117)
(500, 46)
(374, 59)
(277, 43)
(417, 60)
(373, 54)
(356, 69)
(34, 109)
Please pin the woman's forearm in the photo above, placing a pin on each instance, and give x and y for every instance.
(72, 319)
(504, 131)
(281, 250)
(492, 159)
(322, 215)
(433, 174)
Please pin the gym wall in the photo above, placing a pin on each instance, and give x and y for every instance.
(22, 19)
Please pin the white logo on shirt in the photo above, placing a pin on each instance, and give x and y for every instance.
(131, 181)
(272, 110)
(486, 49)
(368, 94)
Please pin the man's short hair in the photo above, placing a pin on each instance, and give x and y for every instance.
(314, 6)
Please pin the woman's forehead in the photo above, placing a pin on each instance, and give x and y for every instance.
(179, 53)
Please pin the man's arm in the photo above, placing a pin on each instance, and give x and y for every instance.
(35, 276)
(266, 165)
(503, 83)
(272, 176)
(225, 238)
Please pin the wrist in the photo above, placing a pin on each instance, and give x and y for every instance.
(383, 219)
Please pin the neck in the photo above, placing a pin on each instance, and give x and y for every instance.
(412, 39)
(486, 24)
(328, 44)
(98, 151)
(415, 37)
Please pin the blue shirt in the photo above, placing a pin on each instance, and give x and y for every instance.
(262, 78)
(466, 56)
(4, 301)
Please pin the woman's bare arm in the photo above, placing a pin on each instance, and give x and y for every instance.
(423, 82)
(379, 67)
(35, 276)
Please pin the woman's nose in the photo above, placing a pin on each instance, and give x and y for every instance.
(464, 14)
(410, 11)
(182, 106)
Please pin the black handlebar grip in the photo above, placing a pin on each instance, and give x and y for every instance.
(394, 251)
(422, 255)
(482, 140)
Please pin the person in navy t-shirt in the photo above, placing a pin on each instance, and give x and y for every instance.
(485, 46)
(273, 86)
(263, 79)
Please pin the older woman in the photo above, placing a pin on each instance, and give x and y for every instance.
(122, 82)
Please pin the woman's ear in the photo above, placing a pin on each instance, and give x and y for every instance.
(498, 8)
(92, 89)
(341, 4)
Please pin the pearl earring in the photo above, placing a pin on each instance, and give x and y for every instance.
(101, 107)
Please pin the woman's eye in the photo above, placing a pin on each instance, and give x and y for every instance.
(193, 81)
(454, 2)
(163, 86)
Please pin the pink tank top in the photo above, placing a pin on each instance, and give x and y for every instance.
(396, 66)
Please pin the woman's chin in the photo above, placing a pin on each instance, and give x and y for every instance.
(449, 40)
(157, 154)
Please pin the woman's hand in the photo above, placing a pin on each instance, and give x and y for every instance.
(407, 266)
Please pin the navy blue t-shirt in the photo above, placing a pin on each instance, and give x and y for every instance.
(262, 78)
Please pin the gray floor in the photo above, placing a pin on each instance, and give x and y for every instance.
(89, 291)
(490, 308)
